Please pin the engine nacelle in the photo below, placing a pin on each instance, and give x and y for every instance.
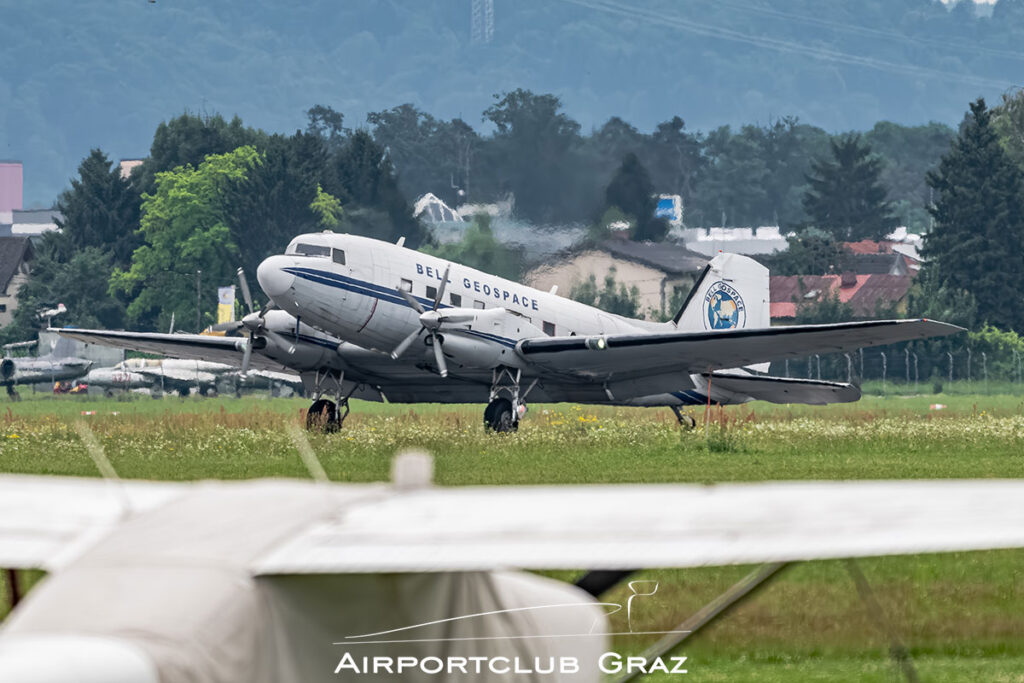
(7, 370)
(474, 352)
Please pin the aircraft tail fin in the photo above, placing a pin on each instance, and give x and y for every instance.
(731, 292)
(61, 347)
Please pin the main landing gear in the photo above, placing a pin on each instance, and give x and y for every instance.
(326, 415)
(685, 421)
(12, 393)
(506, 404)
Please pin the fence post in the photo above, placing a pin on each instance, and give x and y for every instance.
(968, 364)
(915, 372)
(861, 352)
(849, 368)
(810, 368)
(885, 369)
(906, 362)
(817, 361)
(950, 354)
(984, 369)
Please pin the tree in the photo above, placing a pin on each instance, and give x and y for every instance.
(632, 192)
(1008, 121)
(479, 249)
(811, 252)
(327, 208)
(532, 153)
(363, 179)
(845, 196)
(185, 228)
(100, 210)
(977, 244)
(613, 297)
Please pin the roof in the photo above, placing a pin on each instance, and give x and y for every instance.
(665, 256)
(13, 252)
(879, 264)
(37, 216)
(863, 296)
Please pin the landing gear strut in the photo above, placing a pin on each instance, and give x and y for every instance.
(506, 404)
(12, 393)
(685, 421)
(326, 415)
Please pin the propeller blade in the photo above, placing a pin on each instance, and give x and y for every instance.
(279, 340)
(457, 318)
(411, 299)
(442, 366)
(246, 295)
(406, 343)
(271, 306)
(440, 290)
(246, 358)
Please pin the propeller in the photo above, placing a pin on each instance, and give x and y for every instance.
(430, 322)
(255, 322)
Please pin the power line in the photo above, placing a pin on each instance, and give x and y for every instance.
(778, 45)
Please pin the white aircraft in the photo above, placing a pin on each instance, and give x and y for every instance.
(475, 337)
(55, 366)
(260, 581)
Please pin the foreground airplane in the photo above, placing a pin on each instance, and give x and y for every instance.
(56, 366)
(261, 581)
(494, 341)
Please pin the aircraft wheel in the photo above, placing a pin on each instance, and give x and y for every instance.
(688, 422)
(109, 393)
(499, 416)
(322, 416)
(184, 392)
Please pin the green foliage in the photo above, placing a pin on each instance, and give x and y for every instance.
(327, 207)
(1008, 122)
(632, 192)
(1004, 350)
(811, 252)
(846, 196)
(185, 228)
(826, 308)
(977, 244)
(99, 210)
(479, 249)
(613, 297)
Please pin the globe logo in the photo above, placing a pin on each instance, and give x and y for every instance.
(725, 308)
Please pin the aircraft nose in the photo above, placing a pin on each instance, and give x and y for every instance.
(272, 277)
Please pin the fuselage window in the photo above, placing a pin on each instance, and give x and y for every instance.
(406, 285)
(549, 328)
(455, 299)
(478, 304)
(339, 256)
(312, 250)
(431, 292)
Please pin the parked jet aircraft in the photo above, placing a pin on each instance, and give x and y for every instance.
(497, 342)
(223, 582)
(56, 366)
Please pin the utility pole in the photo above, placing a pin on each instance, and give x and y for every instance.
(199, 315)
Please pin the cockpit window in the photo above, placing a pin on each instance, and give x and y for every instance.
(312, 250)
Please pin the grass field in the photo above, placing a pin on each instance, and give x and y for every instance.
(962, 615)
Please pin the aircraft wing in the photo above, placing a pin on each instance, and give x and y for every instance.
(630, 526)
(188, 346)
(46, 522)
(663, 353)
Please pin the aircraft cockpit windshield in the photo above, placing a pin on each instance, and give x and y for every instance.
(319, 250)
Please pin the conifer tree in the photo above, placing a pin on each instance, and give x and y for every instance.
(977, 244)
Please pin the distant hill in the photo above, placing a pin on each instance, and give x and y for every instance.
(104, 73)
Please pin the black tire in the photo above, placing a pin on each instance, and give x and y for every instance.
(322, 416)
(499, 416)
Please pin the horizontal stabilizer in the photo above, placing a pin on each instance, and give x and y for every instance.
(786, 389)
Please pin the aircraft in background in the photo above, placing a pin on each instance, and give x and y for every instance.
(475, 337)
(159, 376)
(56, 366)
(287, 576)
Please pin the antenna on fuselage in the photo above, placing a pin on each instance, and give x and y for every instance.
(401, 241)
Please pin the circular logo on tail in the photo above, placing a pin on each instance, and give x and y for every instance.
(725, 309)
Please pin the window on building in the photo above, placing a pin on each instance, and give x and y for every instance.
(3, 308)
(339, 256)
(406, 285)
(455, 300)
(431, 292)
(312, 250)
(549, 328)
